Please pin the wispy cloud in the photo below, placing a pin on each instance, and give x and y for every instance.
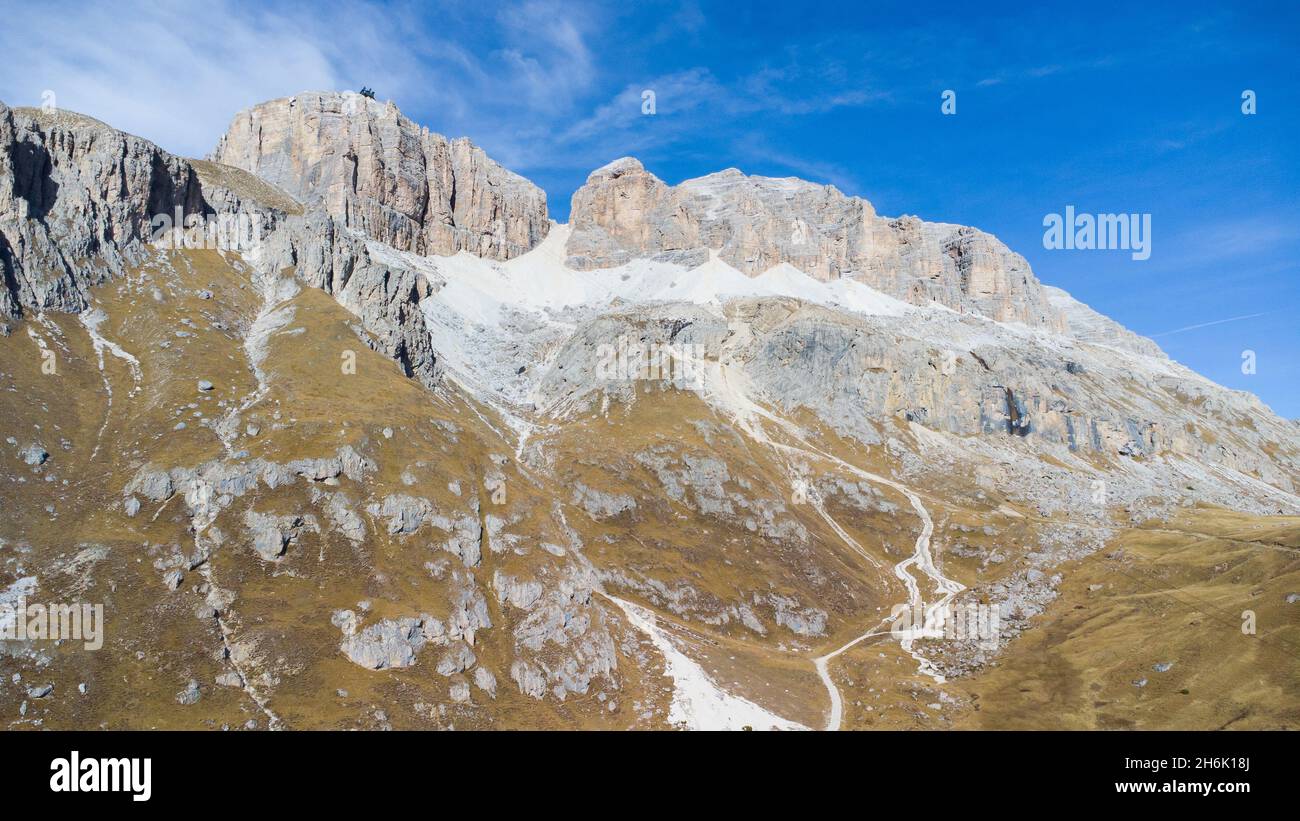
(548, 58)
(690, 105)
(524, 79)
(760, 150)
(153, 71)
(1038, 72)
(1237, 241)
(177, 73)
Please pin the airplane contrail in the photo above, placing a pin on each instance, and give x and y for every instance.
(1215, 322)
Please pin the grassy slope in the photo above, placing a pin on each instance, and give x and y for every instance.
(1172, 595)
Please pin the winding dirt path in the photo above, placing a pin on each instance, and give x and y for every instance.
(726, 389)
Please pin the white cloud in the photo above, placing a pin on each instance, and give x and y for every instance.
(548, 59)
(174, 75)
(523, 80)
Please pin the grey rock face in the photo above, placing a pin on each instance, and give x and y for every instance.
(347, 463)
(77, 199)
(345, 620)
(1052, 395)
(485, 681)
(387, 644)
(56, 168)
(756, 223)
(469, 611)
(459, 691)
(378, 172)
(457, 659)
(563, 643)
(599, 504)
(385, 296)
(466, 534)
(520, 593)
(317, 470)
(405, 514)
(272, 534)
(702, 475)
(1008, 385)
(355, 466)
(190, 695)
(229, 679)
(530, 680)
(344, 519)
(1087, 325)
(152, 483)
(498, 540)
(805, 621)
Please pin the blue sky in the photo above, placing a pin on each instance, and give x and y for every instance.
(1110, 108)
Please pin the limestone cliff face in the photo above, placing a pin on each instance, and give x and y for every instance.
(77, 199)
(378, 172)
(996, 389)
(1086, 325)
(623, 211)
(77, 204)
(386, 298)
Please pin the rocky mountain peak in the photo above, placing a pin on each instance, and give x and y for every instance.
(379, 172)
(757, 223)
(734, 180)
(623, 166)
(749, 435)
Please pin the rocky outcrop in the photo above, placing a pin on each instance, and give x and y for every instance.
(78, 200)
(387, 644)
(404, 514)
(384, 296)
(564, 642)
(942, 371)
(81, 202)
(756, 223)
(378, 172)
(1088, 325)
(272, 534)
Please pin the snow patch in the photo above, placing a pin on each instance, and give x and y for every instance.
(699, 703)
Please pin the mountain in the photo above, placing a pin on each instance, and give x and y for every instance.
(388, 448)
(372, 169)
(757, 223)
